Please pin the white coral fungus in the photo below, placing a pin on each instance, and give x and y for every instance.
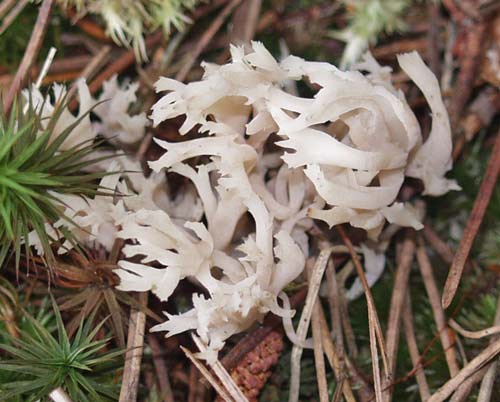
(348, 147)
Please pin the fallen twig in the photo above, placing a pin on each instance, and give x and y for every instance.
(9, 19)
(488, 381)
(319, 357)
(335, 307)
(161, 369)
(375, 329)
(312, 293)
(439, 316)
(475, 364)
(205, 39)
(208, 376)
(411, 342)
(30, 54)
(471, 229)
(222, 374)
(337, 365)
(133, 357)
(474, 334)
(438, 244)
(398, 300)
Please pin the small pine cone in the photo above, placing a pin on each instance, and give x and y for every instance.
(255, 368)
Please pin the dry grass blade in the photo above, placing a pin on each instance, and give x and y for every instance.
(222, 374)
(398, 300)
(411, 342)
(133, 357)
(437, 309)
(488, 381)
(31, 52)
(475, 364)
(471, 229)
(375, 329)
(312, 294)
(208, 376)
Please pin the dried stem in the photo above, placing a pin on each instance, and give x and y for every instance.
(91, 68)
(319, 357)
(376, 335)
(9, 19)
(475, 219)
(133, 357)
(488, 381)
(334, 305)
(244, 22)
(208, 376)
(438, 244)
(161, 369)
(411, 342)
(437, 309)
(337, 365)
(463, 391)
(398, 300)
(476, 364)
(474, 334)
(312, 293)
(205, 39)
(31, 52)
(222, 374)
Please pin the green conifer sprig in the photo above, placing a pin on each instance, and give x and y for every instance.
(40, 362)
(34, 171)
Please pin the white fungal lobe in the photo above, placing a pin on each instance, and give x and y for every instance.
(265, 163)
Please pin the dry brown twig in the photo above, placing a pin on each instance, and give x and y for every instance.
(438, 244)
(488, 381)
(437, 309)
(398, 300)
(30, 54)
(376, 335)
(133, 356)
(9, 18)
(222, 375)
(5, 5)
(411, 342)
(471, 229)
(319, 357)
(475, 364)
(161, 369)
(244, 21)
(221, 391)
(337, 364)
(312, 294)
(335, 307)
(205, 39)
